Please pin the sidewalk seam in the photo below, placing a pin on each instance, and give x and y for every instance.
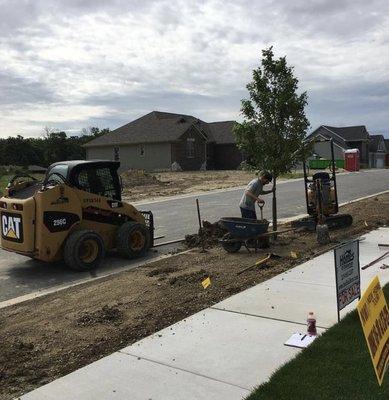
(303, 283)
(183, 370)
(264, 317)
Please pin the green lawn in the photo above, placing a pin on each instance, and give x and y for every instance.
(337, 366)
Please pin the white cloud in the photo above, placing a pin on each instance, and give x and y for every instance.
(95, 62)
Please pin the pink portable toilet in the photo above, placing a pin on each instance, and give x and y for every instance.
(351, 160)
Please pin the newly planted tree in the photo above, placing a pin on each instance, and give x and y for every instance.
(272, 133)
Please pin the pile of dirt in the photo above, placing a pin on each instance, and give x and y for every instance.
(190, 278)
(139, 177)
(139, 185)
(208, 235)
(105, 315)
(162, 271)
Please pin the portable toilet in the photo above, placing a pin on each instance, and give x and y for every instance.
(351, 158)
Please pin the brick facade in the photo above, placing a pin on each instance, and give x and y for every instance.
(226, 156)
(179, 151)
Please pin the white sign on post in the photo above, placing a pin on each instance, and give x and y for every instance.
(348, 278)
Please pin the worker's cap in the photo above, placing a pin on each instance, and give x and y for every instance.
(265, 174)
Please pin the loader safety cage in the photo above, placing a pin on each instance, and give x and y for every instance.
(149, 221)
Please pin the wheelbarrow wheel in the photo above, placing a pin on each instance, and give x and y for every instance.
(230, 247)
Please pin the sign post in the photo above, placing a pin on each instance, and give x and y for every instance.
(374, 315)
(347, 273)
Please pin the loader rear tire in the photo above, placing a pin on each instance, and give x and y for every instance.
(132, 240)
(84, 250)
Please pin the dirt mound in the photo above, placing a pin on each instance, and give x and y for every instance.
(162, 271)
(139, 177)
(190, 278)
(209, 234)
(106, 315)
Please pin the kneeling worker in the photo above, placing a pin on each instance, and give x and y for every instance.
(251, 193)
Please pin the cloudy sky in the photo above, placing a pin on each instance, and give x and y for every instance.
(71, 64)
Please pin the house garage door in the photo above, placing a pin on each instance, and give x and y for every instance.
(380, 162)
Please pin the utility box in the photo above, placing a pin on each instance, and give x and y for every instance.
(351, 158)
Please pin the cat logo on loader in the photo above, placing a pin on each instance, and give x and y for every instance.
(76, 213)
(11, 227)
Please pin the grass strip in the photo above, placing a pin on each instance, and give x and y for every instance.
(336, 366)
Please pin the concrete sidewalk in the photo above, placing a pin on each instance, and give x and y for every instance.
(222, 352)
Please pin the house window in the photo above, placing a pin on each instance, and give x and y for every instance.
(116, 155)
(142, 150)
(190, 148)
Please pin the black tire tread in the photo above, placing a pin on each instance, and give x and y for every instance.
(122, 242)
(71, 243)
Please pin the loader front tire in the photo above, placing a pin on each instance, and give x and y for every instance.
(83, 250)
(132, 240)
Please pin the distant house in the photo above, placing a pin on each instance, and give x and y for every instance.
(377, 151)
(159, 140)
(387, 152)
(349, 137)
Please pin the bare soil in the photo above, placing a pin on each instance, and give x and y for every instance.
(139, 185)
(48, 337)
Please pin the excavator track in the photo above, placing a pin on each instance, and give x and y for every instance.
(339, 221)
(333, 222)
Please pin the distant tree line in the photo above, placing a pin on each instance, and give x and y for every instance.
(51, 147)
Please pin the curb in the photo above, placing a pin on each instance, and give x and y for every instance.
(31, 296)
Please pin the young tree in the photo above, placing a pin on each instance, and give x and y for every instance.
(274, 126)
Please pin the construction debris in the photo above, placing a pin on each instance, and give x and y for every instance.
(208, 235)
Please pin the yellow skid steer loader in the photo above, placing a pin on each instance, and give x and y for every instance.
(75, 214)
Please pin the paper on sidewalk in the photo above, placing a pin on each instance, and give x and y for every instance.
(300, 340)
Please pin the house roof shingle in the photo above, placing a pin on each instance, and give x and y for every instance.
(222, 132)
(350, 133)
(157, 127)
(152, 127)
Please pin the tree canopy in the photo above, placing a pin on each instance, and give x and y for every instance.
(52, 147)
(274, 127)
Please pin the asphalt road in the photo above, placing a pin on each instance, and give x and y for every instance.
(174, 218)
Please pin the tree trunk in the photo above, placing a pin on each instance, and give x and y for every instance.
(274, 207)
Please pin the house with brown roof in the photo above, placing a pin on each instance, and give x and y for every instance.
(160, 140)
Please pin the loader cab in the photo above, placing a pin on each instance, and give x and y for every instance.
(98, 177)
